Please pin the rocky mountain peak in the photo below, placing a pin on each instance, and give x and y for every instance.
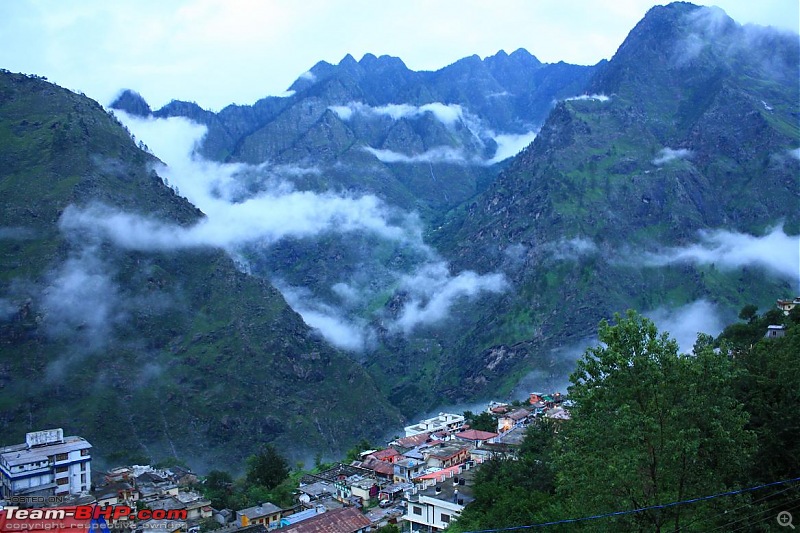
(132, 103)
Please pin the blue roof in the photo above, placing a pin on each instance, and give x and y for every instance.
(298, 517)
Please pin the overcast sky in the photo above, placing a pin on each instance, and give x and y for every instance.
(217, 52)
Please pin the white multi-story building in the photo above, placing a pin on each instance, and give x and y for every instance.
(47, 464)
(443, 422)
(433, 507)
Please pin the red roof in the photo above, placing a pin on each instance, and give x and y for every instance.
(347, 520)
(384, 468)
(439, 475)
(413, 441)
(476, 434)
(385, 455)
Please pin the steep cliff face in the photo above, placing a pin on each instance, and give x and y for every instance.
(146, 354)
(422, 140)
(691, 127)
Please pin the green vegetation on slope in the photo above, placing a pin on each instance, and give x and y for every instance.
(145, 354)
(650, 427)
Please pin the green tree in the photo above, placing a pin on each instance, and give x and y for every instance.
(354, 453)
(218, 487)
(769, 388)
(514, 491)
(649, 427)
(483, 421)
(749, 313)
(267, 468)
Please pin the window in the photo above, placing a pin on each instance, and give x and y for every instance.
(62, 457)
(83, 478)
(445, 518)
(62, 480)
(84, 452)
(61, 469)
(417, 510)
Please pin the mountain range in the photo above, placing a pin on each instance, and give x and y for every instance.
(412, 260)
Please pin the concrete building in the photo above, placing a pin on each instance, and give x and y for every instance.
(443, 422)
(267, 514)
(47, 464)
(436, 506)
(775, 331)
(787, 305)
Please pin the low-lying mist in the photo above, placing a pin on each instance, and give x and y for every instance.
(250, 209)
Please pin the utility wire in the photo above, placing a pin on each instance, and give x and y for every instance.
(750, 504)
(769, 516)
(771, 506)
(639, 510)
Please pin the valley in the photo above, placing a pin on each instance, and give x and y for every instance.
(380, 242)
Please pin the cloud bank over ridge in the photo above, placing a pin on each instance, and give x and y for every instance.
(277, 211)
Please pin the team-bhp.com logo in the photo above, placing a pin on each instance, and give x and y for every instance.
(81, 517)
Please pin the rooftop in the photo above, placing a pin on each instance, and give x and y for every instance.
(445, 452)
(519, 414)
(20, 454)
(317, 489)
(347, 520)
(457, 489)
(384, 468)
(260, 511)
(476, 434)
(385, 455)
(413, 441)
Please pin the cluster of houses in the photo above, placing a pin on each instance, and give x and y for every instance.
(421, 481)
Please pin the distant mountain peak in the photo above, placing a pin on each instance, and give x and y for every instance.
(348, 60)
(132, 103)
(521, 53)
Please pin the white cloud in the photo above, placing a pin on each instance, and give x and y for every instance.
(347, 292)
(432, 291)
(510, 144)
(267, 217)
(277, 212)
(554, 377)
(308, 75)
(775, 252)
(665, 155)
(447, 114)
(440, 154)
(572, 249)
(345, 333)
(345, 112)
(595, 97)
(81, 301)
(7, 309)
(684, 323)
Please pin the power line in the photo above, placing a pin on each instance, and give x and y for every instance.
(639, 510)
(731, 512)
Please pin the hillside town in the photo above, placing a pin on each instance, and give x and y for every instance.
(418, 482)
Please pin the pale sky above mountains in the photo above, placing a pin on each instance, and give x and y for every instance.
(217, 52)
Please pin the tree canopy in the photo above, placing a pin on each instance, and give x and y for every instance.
(267, 468)
(651, 426)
